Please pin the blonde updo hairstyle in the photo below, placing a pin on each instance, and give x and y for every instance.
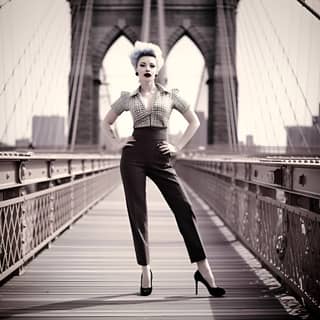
(142, 49)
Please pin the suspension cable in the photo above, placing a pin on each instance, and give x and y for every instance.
(77, 62)
(86, 29)
(246, 19)
(273, 89)
(230, 50)
(51, 64)
(25, 50)
(283, 83)
(75, 14)
(45, 70)
(162, 37)
(200, 86)
(2, 5)
(289, 64)
(305, 5)
(233, 26)
(26, 76)
(243, 34)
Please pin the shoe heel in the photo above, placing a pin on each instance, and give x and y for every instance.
(196, 286)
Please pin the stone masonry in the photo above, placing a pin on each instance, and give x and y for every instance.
(195, 19)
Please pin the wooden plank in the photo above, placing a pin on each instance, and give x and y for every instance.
(90, 272)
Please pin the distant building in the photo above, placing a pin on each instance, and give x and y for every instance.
(4, 145)
(48, 132)
(23, 143)
(249, 140)
(300, 136)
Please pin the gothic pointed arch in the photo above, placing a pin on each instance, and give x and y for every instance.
(196, 37)
(108, 40)
(112, 19)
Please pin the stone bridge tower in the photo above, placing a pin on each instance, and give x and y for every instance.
(198, 20)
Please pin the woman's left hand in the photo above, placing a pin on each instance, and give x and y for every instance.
(166, 147)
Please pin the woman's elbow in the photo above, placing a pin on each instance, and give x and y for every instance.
(196, 123)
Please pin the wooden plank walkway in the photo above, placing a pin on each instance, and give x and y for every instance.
(90, 272)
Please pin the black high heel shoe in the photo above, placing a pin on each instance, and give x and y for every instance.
(214, 291)
(146, 291)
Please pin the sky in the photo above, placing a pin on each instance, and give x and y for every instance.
(277, 57)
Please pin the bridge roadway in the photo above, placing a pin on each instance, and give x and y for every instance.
(89, 272)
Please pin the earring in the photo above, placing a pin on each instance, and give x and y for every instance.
(137, 73)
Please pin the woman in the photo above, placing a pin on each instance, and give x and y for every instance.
(148, 153)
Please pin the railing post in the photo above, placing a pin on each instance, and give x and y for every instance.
(258, 221)
(22, 228)
(40, 200)
(51, 214)
(72, 206)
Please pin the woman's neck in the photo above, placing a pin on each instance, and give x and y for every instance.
(147, 87)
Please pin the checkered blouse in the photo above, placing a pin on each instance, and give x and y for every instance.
(159, 115)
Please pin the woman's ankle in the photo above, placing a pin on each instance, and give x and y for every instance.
(146, 276)
(205, 270)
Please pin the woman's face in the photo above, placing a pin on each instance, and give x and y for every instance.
(147, 68)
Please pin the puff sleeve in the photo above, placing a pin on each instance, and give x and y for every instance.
(121, 104)
(179, 103)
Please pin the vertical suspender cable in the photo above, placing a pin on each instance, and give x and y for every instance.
(76, 18)
(2, 71)
(223, 70)
(162, 37)
(258, 59)
(145, 30)
(76, 75)
(294, 74)
(86, 27)
(200, 86)
(32, 65)
(231, 75)
(44, 67)
(304, 140)
(227, 74)
(230, 83)
(249, 59)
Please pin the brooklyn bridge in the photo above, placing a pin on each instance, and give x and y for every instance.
(250, 70)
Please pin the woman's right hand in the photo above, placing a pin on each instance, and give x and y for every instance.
(127, 141)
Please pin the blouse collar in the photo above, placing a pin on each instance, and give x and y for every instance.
(160, 87)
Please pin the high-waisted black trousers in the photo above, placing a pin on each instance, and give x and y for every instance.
(144, 159)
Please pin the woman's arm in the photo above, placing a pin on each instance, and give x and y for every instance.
(113, 141)
(193, 126)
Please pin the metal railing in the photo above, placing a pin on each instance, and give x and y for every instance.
(273, 207)
(43, 195)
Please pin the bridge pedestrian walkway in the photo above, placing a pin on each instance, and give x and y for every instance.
(90, 272)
